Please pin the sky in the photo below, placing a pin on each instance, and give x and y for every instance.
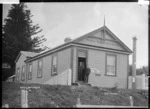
(61, 20)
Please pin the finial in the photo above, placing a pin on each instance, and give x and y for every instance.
(104, 20)
(134, 38)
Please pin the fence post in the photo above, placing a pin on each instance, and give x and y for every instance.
(78, 101)
(5, 106)
(24, 98)
(143, 81)
(131, 101)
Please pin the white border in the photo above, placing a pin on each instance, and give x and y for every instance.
(9, 1)
(143, 2)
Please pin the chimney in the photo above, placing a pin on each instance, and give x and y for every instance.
(134, 64)
(67, 39)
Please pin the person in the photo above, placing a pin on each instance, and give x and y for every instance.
(80, 71)
(87, 73)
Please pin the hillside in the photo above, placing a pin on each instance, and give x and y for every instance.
(66, 96)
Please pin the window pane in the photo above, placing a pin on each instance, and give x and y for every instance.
(54, 60)
(40, 64)
(110, 70)
(22, 75)
(30, 68)
(111, 65)
(23, 69)
(54, 65)
(39, 74)
(111, 60)
(18, 74)
(54, 70)
(39, 70)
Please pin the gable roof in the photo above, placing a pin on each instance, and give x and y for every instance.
(29, 54)
(26, 54)
(75, 41)
(112, 34)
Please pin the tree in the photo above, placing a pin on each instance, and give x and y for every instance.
(139, 71)
(130, 70)
(19, 33)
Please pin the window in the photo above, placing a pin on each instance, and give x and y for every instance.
(111, 65)
(23, 73)
(39, 70)
(30, 71)
(54, 65)
(18, 71)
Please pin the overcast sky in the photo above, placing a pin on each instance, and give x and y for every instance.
(60, 20)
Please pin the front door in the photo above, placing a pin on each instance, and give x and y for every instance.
(81, 68)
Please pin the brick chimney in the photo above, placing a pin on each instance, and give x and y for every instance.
(67, 39)
(134, 64)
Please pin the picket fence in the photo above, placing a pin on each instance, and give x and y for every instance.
(141, 82)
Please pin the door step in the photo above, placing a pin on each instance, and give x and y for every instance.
(81, 83)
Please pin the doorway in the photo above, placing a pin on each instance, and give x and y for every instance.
(81, 68)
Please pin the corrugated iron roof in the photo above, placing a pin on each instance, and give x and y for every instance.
(29, 54)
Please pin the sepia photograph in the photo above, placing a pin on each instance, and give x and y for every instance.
(75, 55)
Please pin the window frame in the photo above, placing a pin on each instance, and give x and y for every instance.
(17, 79)
(23, 73)
(29, 78)
(38, 68)
(114, 55)
(52, 73)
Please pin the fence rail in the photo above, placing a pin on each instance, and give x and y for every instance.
(79, 105)
(107, 106)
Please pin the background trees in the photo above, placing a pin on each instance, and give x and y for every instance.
(139, 71)
(19, 33)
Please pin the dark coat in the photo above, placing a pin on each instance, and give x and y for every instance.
(88, 71)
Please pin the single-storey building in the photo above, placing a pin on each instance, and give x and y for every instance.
(11, 78)
(101, 50)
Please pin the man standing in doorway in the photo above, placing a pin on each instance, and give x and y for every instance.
(87, 73)
(80, 73)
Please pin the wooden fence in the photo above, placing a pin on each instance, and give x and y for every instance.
(141, 82)
(79, 105)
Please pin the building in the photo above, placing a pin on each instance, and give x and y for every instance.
(102, 51)
(11, 78)
(6, 71)
(21, 66)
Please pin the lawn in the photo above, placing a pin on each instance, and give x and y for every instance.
(66, 96)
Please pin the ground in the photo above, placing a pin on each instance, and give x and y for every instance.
(66, 96)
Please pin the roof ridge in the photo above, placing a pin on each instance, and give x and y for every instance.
(28, 51)
(82, 37)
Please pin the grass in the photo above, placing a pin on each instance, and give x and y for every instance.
(66, 96)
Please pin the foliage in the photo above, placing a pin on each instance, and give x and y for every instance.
(19, 33)
(139, 71)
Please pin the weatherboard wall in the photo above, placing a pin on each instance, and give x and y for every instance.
(97, 60)
(64, 60)
(62, 65)
(20, 63)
